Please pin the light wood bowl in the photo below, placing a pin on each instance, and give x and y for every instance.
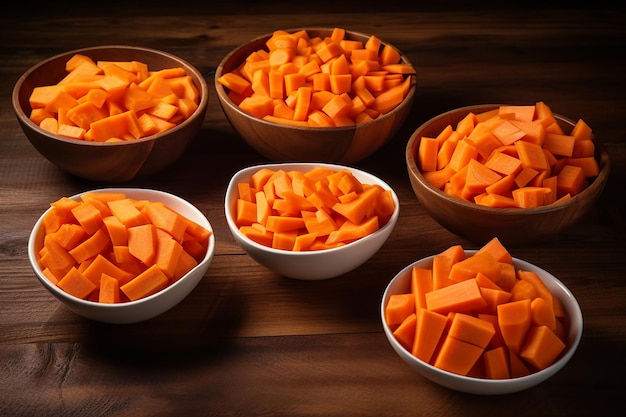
(513, 226)
(114, 162)
(283, 143)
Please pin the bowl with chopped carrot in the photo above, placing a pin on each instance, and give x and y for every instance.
(111, 113)
(310, 221)
(519, 172)
(316, 94)
(481, 321)
(121, 255)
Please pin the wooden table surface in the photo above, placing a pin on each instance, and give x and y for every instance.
(247, 342)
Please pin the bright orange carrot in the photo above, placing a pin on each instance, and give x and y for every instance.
(109, 290)
(457, 356)
(76, 284)
(514, 319)
(542, 347)
(497, 363)
(179, 243)
(345, 69)
(147, 283)
(471, 329)
(405, 332)
(461, 296)
(399, 307)
(102, 101)
(430, 329)
(524, 153)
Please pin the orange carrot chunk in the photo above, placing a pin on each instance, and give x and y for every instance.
(147, 283)
(461, 296)
(542, 347)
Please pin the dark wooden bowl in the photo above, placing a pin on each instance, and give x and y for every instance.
(114, 162)
(513, 226)
(283, 143)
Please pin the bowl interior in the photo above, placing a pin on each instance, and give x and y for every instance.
(108, 161)
(514, 226)
(401, 284)
(285, 143)
(309, 265)
(144, 308)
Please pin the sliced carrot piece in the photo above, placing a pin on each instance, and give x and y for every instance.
(398, 308)
(75, 283)
(430, 330)
(147, 283)
(542, 347)
(461, 296)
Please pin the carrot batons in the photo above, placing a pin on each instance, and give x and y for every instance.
(103, 101)
(108, 248)
(509, 157)
(472, 326)
(359, 81)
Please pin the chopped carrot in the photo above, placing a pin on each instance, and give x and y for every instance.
(476, 326)
(142, 243)
(471, 329)
(514, 320)
(488, 157)
(430, 329)
(76, 284)
(345, 70)
(497, 363)
(405, 332)
(461, 296)
(334, 206)
(542, 347)
(83, 260)
(109, 290)
(147, 283)
(399, 307)
(457, 356)
(92, 96)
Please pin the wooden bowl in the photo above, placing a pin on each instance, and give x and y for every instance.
(283, 143)
(513, 226)
(109, 161)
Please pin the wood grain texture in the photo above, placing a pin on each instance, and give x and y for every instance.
(247, 342)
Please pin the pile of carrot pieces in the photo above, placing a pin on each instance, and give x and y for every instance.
(109, 248)
(319, 81)
(477, 315)
(510, 157)
(113, 101)
(314, 210)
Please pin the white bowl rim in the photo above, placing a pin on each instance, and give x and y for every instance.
(523, 381)
(230, 190)
(32, 252)
(202, 104)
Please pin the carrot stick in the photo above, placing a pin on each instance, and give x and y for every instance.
(461, 296)
(147, 283)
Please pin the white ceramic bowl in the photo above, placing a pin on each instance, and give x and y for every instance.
(401, 283)
(309, 265)
(142, 309)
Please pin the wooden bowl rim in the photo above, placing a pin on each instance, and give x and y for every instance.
(23, 117)
(225, 100)
(596, 185)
